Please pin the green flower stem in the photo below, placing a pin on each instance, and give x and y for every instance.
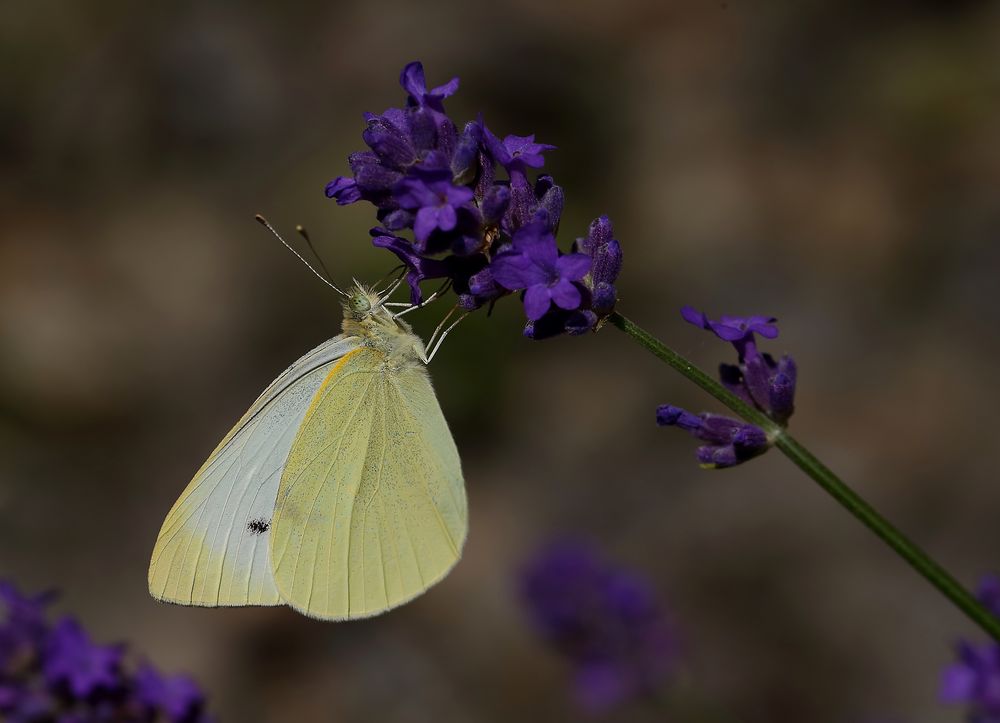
(834, 486)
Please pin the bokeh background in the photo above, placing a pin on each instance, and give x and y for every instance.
(836, 164)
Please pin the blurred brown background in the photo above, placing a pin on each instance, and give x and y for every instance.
(836, 164)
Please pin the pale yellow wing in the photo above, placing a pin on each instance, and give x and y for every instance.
(371, 508)
(212, 549)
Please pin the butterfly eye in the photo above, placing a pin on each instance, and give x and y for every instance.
(360, 304)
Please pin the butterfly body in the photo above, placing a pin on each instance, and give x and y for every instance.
(339, 493)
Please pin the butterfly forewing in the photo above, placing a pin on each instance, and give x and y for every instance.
(213, 546)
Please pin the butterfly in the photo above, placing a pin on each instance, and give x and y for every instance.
(339, 492)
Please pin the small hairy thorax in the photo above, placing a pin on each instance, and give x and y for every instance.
(367, 318)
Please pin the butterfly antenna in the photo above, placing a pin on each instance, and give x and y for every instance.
(301, 231)
(263, 222)
(401, 268)
(387, 294)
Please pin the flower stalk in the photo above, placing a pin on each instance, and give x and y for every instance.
(822, 475)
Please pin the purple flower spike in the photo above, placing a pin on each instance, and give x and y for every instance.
(445, 186)
(534, 264)
(731, 442)
(415, 84)
(72, 660)
(604, 620)
(178, 696)
(758, 380)
(22, 612)
(60, 675)
(974, 679)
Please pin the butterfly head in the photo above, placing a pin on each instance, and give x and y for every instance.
(366, 316)
(362, 303)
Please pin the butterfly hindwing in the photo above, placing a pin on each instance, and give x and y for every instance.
(371, 507)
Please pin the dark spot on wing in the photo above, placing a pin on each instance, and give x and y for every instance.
(258, 526)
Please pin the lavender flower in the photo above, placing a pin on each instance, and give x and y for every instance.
(517, 152)
(56, 673)
(436, 202)
(757, 379)
(71, 661)
(533, 263)
(605, 620)
(730, 441)
(975, 678)
(736, 329)
(413, 82)
(488, 237)
(176, 696)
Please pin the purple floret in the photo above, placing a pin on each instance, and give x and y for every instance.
(413, 82)
(739, 330)
(435, 201)
(516, 152)
(534, 264)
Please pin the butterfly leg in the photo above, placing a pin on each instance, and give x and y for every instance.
(412, 307)
(441, 338)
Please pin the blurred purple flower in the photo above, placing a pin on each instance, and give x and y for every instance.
(56, 673)
(426, 177)
(71, 660)
(177, 696)
(605, 620)
(975, 678)
(989, 593)
(23, 624)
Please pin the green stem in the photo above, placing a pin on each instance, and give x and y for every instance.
(834, 486)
